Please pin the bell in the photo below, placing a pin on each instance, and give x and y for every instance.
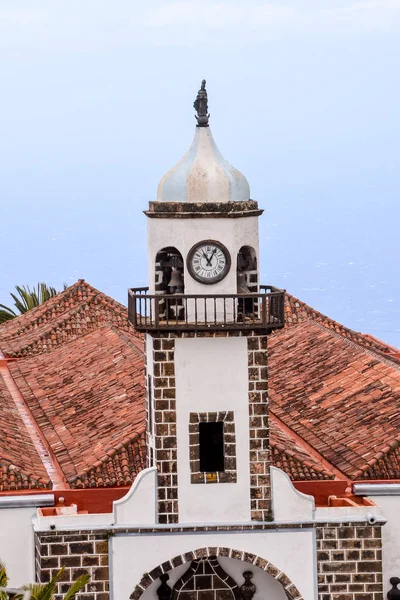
(241, 284)
(176, 280)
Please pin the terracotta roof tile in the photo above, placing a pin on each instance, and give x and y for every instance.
(385, 465)
(297, 311)
(338, 397)
(288, 455)
(13, 478)
(67, 316)
(86, 396)
(20, 464)
(118, 469)
(333, 387)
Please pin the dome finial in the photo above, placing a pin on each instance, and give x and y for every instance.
(201, 106)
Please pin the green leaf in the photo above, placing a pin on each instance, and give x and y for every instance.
(25, 299)
(77, 586)
(46, 591)
(3, 580)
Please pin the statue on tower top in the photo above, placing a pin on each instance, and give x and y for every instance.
(201, 106)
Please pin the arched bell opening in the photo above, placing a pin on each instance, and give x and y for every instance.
(169, 281)
(169, 278)
(247, 280)
(213, 574)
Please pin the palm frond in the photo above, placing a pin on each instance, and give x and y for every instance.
(26, 298)
(77, 586)
(44, 591)
(6, 313)
(3, 580)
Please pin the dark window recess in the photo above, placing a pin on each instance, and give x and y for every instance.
(211, 446)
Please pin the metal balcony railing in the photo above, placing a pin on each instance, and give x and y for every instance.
(170, 312)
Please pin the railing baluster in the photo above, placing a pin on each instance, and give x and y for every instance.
(262, 310)
(156, 312)
(150, 311)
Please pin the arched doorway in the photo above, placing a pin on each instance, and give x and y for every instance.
(182, 566)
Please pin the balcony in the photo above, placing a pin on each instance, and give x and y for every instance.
(262, 311)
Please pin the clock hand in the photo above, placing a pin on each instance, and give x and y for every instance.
(207, 259)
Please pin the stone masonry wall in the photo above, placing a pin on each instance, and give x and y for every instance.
(79, 552)
(349, 562)
(165, 428)
(260, 483)
(163, 385)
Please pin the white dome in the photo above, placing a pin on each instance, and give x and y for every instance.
(203, 175)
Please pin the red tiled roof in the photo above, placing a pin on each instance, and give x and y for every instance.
(80, 372)
(86, 397)
(20, 464)
(297, 311)
(288, 455)
(338, 397)
(119, 468)
(13, 478)
(67, 316)
(386, 464)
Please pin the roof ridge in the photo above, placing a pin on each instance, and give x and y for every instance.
(122, 335)
(17, 325)
(307, 447)
(383, 358)
(308, 463)
(58, 322)
(39, 440)
(65, 344)
(375, 344)
(44, 310)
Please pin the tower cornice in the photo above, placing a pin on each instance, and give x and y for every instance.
(203, 210)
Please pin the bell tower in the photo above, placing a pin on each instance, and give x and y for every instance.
(206, 318)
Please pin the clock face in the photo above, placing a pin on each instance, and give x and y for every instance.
(208, 262)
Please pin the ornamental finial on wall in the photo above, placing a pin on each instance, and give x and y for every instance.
(201, 106)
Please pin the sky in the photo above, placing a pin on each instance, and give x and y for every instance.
(96, 105)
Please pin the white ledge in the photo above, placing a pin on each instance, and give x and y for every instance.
(36, 500)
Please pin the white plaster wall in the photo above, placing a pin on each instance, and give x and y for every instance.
(390, 506)
(288, 504)
(212, 375)
(184, 233)
(291, 551)
(139, 505)
(17, 544)
(267, 587)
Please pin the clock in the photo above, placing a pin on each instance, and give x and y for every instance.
(208, 262)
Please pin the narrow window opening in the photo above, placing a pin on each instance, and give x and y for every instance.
(211, 446)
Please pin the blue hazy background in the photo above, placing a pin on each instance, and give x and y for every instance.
(96, 105)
